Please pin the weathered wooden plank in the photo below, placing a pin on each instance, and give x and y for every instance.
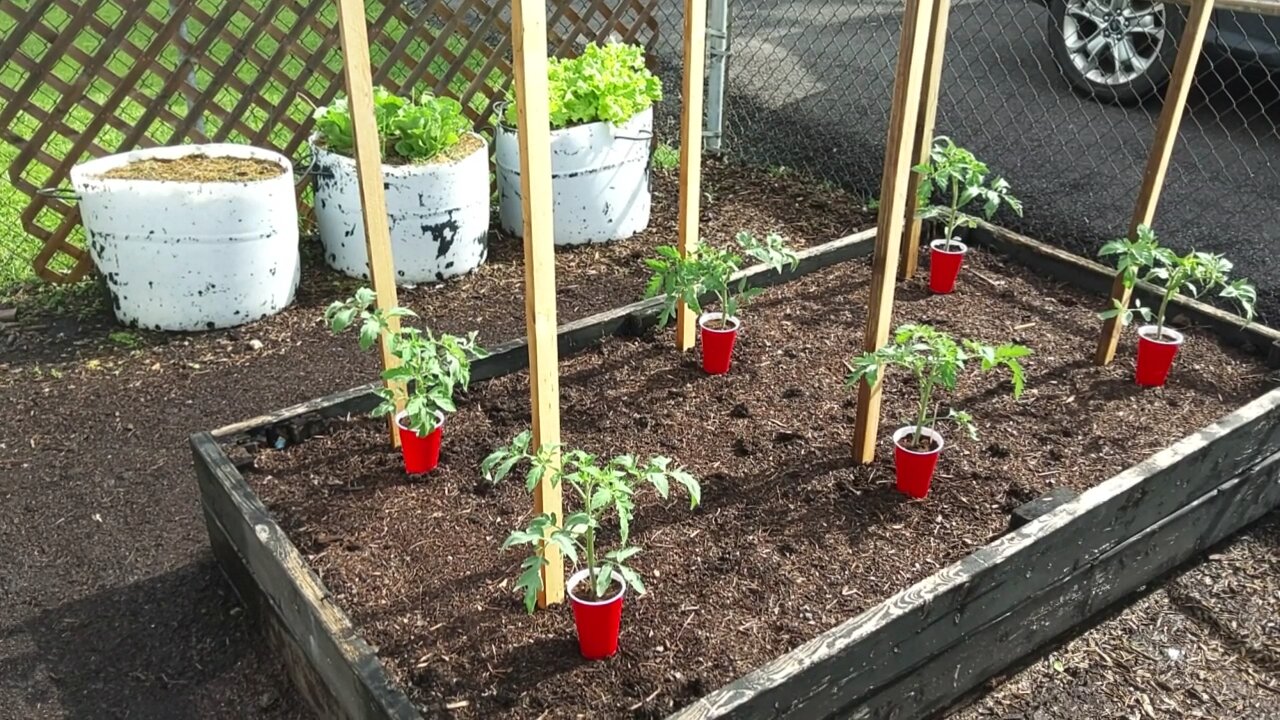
(872, 650)
(258, 606)
(335, 651)
(1054, 611)
(1092, 276)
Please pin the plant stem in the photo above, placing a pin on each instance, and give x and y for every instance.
(1164, 304)
(922, 412)
(588, 491)
(955, 208)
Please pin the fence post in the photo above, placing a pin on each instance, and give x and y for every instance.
(718, 40)
(904, 113)
(1175, 100)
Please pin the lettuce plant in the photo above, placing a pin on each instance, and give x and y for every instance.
(708, 270)
(1144, 259)
(602, 487)
(935, 360)
(408, 131)
(432, 367)
(606, 83)
(958, 173)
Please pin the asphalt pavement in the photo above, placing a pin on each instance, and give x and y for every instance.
(809, 88)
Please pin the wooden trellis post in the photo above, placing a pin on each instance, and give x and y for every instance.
(529, 48)
(895, 186)
(695, 41)
(924, 134)
(1175, 101)
(368, 156)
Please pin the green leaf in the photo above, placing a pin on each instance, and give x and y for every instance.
(633, 578)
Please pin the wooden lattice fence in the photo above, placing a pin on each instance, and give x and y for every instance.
(86, 78)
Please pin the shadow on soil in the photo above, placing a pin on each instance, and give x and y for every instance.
(134, 651)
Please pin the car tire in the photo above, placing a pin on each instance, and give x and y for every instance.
(1152, 30)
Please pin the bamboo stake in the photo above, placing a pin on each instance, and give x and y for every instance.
(924, 135)
(368, 157)
(895, 184)
(1153, 177)
(529, 48)
(695, 40)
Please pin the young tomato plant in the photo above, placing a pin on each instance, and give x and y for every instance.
(1196, 273)
(608, 83)
(936, 360)
(602, 487)
(956, 172)
(408, 131)
(432, 367)
(708, 270)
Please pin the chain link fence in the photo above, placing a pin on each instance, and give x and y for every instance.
(1060, 98)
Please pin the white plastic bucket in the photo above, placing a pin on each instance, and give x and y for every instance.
(599, 180)
(191, 255)
(438, 212)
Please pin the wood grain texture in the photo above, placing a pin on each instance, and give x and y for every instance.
(1095, 277)
(1175, 101)
(695, 62)
(357, 687)
(529, 43)
(1085, 594)
(924, 131)
(373, 196)
(895, 187)
(888, 642)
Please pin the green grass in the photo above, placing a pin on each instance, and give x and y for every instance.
(17, 247)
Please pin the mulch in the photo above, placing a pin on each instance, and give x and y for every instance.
(1203, 644)
(110, 602)
(792, 537)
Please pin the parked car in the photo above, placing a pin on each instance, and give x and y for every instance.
(1122, 51)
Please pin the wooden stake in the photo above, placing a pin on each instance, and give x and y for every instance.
(895, 184)
(368, 157)
(1175, 100)
(695, 41)
(529, 48)
(924, 135)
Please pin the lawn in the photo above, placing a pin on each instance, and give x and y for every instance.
(17, 247)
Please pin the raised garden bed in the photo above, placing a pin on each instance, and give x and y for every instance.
(790, 577)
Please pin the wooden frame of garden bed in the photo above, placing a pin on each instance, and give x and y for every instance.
(911, 655)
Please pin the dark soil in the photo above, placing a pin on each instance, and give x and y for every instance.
(1202, 645)
(110, 603)
(792, 537)
(198, 168)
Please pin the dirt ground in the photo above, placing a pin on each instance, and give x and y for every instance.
(110, 603)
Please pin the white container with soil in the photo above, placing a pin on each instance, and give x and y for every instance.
(192, 237)
(436, 175)
(601, 132)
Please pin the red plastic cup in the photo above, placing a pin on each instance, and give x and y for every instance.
(1155, 354)
(421, 452)
(598, 621)
(944, 265)
(717, 343)
(914, 467)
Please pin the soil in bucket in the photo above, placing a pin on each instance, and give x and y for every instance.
(197, 168)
